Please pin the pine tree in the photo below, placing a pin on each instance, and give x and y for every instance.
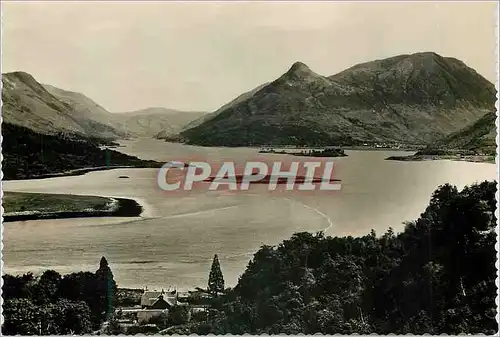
(215, 279)
(106, 288)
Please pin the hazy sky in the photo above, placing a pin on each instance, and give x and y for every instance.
(199, 55)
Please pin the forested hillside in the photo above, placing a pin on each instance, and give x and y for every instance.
(28, 154)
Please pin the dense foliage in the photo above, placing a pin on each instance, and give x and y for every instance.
(76, 303)
(437, 276)
(215, 278)
(27, 154)
(126, 297)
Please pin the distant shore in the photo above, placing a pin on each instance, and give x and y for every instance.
(471, 158)
(334, 152)
(20, 206)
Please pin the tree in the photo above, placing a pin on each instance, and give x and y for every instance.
(83, 286)
(17, 286)
(67, 317)
(177, 315)
(21, 317)
(215, 279)
(106, 289)
(47, 288)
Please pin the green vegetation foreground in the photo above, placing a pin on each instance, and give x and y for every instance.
(437, 276)
(51, 304)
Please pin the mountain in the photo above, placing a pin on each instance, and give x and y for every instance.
(50, 110)
(29, 104)
(87, 111)
(142, 123)
(207, 117)
(411, 99)
(155, 122)
(478, 137)
(48, 131)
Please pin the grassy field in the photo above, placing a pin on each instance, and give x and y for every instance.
(47, 203)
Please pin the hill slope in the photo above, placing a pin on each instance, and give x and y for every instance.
(142, 123)
(155, 122)
(478, 137)
(406, 99)
(50, 110)
(207, 117)
(87, 111)
(29, 104)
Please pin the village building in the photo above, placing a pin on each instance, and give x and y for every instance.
(158, 299)
(156, 303)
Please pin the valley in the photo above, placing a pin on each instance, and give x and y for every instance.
(421, 101)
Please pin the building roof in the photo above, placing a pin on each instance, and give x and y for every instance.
(149, 298)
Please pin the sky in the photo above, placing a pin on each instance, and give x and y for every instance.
(200, 55)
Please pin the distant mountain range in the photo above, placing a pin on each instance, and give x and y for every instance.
(156, 122)
(48, 131)
(410, 99)
(421, 99)
(53, 111)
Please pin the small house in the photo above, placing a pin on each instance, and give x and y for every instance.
(155, 303)
(158, 299)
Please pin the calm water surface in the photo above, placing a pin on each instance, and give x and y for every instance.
(174, 240)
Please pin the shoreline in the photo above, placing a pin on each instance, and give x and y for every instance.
(408, 148)
(123, 208)
(84, 170)
(75, 172)
(470, 159)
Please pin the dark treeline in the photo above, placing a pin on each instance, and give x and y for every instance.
(27, 154)
(58, 305)
(437, 276)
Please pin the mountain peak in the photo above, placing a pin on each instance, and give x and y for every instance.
(428, 57)
(17, 79)
(299, 67)
(300, 71)
(20, 75)
(430, 54)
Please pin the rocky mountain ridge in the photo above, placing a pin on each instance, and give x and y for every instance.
(412, 99)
